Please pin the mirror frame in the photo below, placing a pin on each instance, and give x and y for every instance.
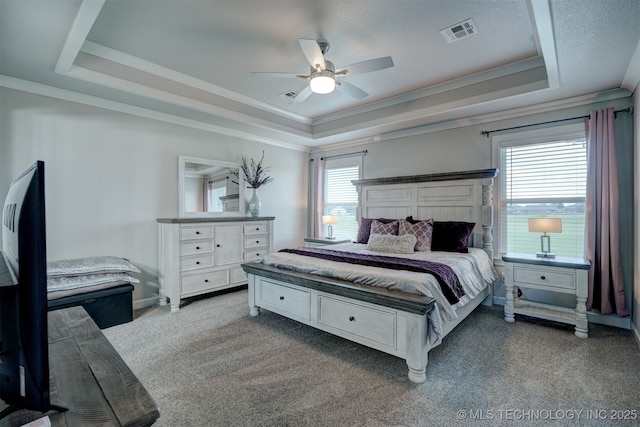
(182, 161)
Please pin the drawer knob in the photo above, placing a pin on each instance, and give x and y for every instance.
(257, 229)
(197, 262)
(542, 277)
(257, 254)
(257, 241)
(206, 280)
(197, 232)
(197, 248)
(218, 245)
(281, 298)
(351, 318)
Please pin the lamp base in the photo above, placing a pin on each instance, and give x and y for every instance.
(547, 255)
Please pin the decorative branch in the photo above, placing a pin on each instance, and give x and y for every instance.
(255, 175)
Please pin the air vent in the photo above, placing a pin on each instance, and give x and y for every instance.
(459, 31)
(289, 95)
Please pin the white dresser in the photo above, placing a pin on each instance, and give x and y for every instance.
(201, 255)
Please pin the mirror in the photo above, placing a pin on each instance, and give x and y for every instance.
(209, 188)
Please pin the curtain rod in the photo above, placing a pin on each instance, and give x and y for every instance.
(487, 133)
(363, 152)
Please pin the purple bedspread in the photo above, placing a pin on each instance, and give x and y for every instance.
(447, 278)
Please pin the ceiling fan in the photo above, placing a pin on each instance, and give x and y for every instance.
(323, 75)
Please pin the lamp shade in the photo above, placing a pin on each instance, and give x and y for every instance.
(329, 219)
(545, 225)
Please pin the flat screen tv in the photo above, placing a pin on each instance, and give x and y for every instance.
(24, 357)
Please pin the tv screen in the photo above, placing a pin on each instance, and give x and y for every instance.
(24, 358)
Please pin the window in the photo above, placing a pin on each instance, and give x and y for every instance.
(341, 197)
(543, 177)
(217, 188)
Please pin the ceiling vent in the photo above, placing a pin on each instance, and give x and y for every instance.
(459, 31)
(289, 95)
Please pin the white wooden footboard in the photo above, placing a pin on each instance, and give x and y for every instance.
(389, 321)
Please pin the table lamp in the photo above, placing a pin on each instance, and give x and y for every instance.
(545, 225)
(330, 219)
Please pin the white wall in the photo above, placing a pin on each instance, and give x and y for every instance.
(110, 175)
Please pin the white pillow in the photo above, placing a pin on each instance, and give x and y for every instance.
(390, 243)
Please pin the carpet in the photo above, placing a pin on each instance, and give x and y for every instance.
(211, 364)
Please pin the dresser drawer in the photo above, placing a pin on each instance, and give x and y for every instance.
(544, 277)
(238, 275)
(256, 241)
(194, 248)
(196, 232)
(196, 262)
(285, 300)
(255, 255)
(364, 322)
(256, 228)
(200, 282)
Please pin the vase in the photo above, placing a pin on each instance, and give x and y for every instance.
(254, 203)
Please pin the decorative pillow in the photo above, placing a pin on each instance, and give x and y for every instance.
(390, 243)
(451, 236)
(422, 230)
(90, 265)
(73, 282)
(365, 228)
(378, 227)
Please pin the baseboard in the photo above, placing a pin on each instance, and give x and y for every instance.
(146, 302)
(636, 334)
(609, 320)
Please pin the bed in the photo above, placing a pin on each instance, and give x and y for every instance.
(375, 291)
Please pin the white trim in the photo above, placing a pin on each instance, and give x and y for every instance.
(177, 77)
(67, 95)
(86, 17)
(631, 79)
(541, 11)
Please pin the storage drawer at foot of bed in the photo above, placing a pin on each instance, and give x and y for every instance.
(359, 320)
(284, 300)
(202, 282)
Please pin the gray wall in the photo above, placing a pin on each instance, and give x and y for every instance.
(110, 175)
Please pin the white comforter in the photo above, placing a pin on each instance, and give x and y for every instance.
(474, 270)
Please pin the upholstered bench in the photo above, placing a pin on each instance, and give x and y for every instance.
(102, 285)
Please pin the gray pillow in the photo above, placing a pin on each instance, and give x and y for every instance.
(90, 265)
(390, 243)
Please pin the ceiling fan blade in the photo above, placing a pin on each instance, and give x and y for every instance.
(303, 94)
(313, 53)
(367, 66)
(352, 90)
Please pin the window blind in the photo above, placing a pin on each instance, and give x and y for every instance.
(544, 180)
(341, 199)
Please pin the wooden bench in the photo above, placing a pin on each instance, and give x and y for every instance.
(89, 377)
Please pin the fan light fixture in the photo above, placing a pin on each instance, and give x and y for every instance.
(322, 83)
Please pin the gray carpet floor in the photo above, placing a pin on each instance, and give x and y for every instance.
(211, 364)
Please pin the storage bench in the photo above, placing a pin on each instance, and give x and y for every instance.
(107, 307)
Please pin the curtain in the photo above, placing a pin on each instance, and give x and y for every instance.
(602, 238)
(319, 167)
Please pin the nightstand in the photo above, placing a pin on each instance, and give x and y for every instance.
(561, 274)
(313, 242)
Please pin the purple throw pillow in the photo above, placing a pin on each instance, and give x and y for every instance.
(365, 228)
(423, 231)
(449, 236)
(378, 227)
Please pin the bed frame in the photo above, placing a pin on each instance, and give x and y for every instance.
(390, 321)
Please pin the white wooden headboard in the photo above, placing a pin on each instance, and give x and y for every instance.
(453, 196)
